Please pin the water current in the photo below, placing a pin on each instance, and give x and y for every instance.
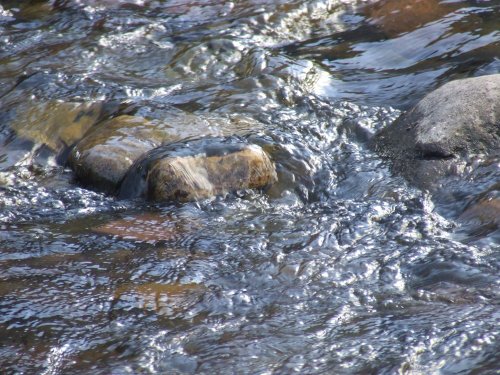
(343, 267)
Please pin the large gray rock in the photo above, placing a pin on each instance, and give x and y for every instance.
(199, 169)
(103, 157)
(437, 137)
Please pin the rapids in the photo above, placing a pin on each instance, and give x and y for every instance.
(341, 267)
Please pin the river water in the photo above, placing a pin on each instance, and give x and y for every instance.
(342, 267)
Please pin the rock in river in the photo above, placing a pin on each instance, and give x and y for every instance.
(199, 169)
(447, 127)
(55, 125)
(104, 156)
(395, 17)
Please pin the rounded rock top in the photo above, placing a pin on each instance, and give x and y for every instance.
(198, 169)
(448, 126)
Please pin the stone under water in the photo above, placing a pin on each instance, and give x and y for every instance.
(53, 125)
(395, 17)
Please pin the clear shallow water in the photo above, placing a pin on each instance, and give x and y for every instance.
(341, 268)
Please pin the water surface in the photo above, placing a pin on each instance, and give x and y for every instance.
(342, 267)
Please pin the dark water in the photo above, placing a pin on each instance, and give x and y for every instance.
(342, 267)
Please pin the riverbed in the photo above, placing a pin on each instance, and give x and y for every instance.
(342, 267)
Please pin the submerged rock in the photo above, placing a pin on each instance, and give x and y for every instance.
(58, 124)
(199, 169)
(148, 227)
(395, 17)
(484, 211)
(481, 216)
(54, 125)
(164, 299)
(448, 126)
(102, 159)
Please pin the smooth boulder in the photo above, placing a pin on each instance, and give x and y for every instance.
(199, 169)
(438, 136)
(103, 157)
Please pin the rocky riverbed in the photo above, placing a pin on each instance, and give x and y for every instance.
(249, 187)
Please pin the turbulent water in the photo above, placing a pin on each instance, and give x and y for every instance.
(342, 267)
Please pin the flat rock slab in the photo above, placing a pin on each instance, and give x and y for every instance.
(53, 124)
(449, 125)
(148, 227)
(199, 169)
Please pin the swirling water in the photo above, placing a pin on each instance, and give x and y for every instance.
(342, 267)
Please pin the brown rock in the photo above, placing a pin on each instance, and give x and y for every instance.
(485, 211)
(395, 16)
(147, 227)
(480, 221)
(163, 299)
(58, 125)
(102, 159)
(29, 10)
(191, 178)
(201, 169)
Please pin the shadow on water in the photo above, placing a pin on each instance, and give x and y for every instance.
(341, 267)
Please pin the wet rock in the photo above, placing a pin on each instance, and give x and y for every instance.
(451, 293)
(29, 10)
(102, 159)
(436, 137)
(164, 299)
(54, 125)
(199, 169)
(191, 178)
(147, 227)
(481, 217)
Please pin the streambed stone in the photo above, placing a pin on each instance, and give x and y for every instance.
(395, 17)
(55, 125)
(102, 158)
(149, 227)
(164, 299)
(199, 169)
(436, 138)
(484, 211)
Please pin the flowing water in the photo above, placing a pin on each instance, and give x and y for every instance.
(342, 267)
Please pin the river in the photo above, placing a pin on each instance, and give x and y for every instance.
(343, 267)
